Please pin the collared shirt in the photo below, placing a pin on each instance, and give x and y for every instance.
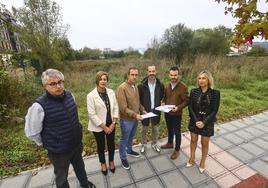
(173, 85)
(152, 89)
(34, 123)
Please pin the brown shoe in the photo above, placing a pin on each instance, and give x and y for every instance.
(167, 146)
(175, 154)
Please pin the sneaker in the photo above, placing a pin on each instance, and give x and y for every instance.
(133, 154)
(167, 146)
(175, 154)
(142, 150)
(125, 164)
(156, 148)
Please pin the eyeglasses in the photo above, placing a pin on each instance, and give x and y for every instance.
(54, 84)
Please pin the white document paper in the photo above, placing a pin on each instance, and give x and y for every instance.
(165, 108)
(148, 115)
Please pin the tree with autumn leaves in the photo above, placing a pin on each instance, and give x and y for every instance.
(252, 22)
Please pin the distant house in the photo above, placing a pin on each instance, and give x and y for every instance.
(239, 50)
(9, 40)
(261, 44)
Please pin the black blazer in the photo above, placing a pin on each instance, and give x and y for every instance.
(213, 96)
(145, 98)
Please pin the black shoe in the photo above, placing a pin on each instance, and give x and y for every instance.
(125, 164)
(89, 185)
(133, 154)
(112, 170)
(104, 172)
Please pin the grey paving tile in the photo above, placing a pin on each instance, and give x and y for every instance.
(222, 143)
(265, 123)
(181, 160)
(17, 181)
(234, 138)
(238, 123)
(241, 154)
(130, 186)
(230, 127)
(262, 127)
(210, 184)
(265, 158)
(265, 137)
(72, 183)
(219, 130)
(244, 134)
(98, 179)
(149, 152)
(120, 178)
(141, 170)
(261, 167)
(254, 131)
(92, 164)
(253, 149)
(152, 183)
(249, 121)
(42, 178)
(262, 116)
(261, 143)
(194, 176)
(174, 179)
(162, 164)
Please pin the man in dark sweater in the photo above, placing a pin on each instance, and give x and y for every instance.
(176, 93)
(52, 122)
(151, 92)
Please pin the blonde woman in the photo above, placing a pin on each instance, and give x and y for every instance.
(203, 106)
(103, 115)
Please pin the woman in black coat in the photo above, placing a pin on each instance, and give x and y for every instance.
(203, 106)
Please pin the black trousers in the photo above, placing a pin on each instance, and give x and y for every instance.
(100, 139)
(61, 163)
(174, 127)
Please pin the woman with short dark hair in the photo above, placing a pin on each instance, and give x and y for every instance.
(103, 114)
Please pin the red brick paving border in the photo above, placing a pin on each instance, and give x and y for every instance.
(256, 181)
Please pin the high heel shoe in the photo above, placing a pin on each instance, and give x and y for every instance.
(189, 164)
(112, 170)
(104, 172)
(201, 170)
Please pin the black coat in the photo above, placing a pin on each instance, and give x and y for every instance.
(145, 99)
(209, 111)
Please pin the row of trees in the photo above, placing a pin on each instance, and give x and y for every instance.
(40, 26)
(180, 40)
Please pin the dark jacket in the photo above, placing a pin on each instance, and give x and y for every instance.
(209, 112)
(62, 131)
(145, 99)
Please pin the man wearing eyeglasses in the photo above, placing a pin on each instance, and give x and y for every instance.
(52, 122)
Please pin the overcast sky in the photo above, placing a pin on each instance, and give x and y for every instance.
(118, 24)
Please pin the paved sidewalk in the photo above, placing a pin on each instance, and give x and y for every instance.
(238, 157)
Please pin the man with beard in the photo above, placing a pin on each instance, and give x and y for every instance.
(176, 93)
(151, 92)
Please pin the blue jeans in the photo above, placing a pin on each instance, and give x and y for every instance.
(128, 130)
(174, 127)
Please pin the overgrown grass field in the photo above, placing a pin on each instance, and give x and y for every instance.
(242, 81)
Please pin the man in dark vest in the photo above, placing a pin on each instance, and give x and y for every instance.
(52, 122)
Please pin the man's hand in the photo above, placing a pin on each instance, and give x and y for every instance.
(138, 117)
(174, 109)
(199, 124)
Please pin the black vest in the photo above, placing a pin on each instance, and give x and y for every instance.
(62, 130)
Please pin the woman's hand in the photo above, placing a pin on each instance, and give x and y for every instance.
(199, 124)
